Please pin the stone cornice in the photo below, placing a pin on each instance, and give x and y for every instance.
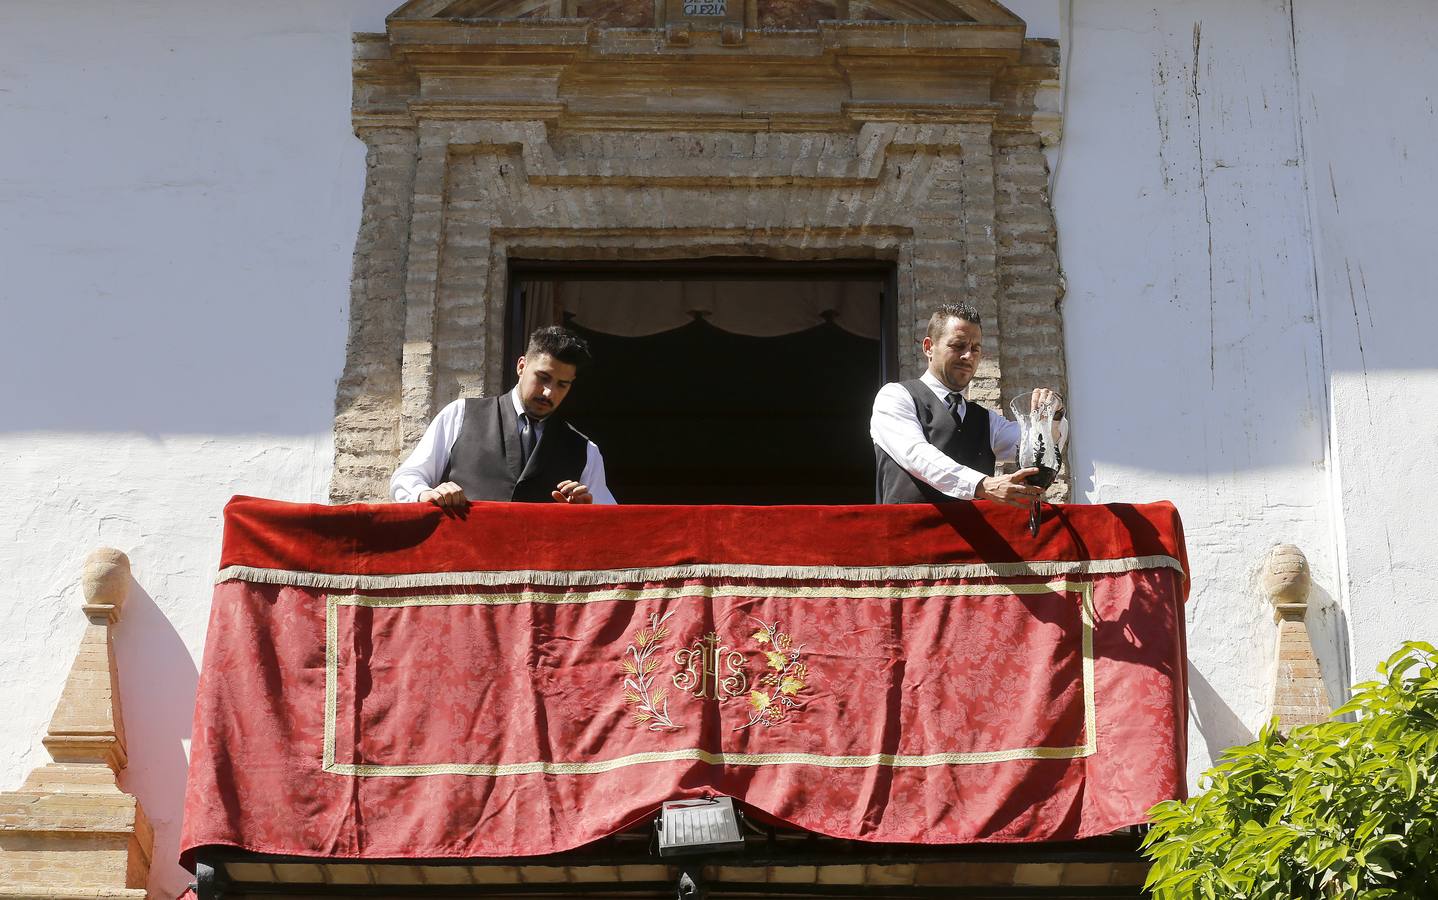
(577, 75)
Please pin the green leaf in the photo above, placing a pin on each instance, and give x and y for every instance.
(1336, 809)
(1330, 857)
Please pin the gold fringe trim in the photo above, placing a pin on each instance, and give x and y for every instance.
(590, 577)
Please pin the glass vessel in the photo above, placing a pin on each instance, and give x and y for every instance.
(1043, 434)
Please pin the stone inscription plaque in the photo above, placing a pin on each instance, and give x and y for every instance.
(707, 8)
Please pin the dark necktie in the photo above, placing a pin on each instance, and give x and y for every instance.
(955, 403)
(526, 439)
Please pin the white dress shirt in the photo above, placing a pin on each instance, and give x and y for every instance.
(895, 428)
(426, 464)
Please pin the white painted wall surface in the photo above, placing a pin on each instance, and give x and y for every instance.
(1368, 93)
(179, 194)
(1195, 365)
(1213, 342)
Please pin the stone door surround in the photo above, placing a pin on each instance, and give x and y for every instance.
(514, 130)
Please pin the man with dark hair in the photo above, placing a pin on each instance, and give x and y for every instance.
(510, 447)
(930, 443)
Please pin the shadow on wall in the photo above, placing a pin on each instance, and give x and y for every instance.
(1217, 723)
(157, 692)
(1328, 631)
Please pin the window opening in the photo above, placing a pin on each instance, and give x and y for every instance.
(721, 382)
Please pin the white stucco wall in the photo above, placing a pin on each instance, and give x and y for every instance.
(1214, 344)
(1367, 94)
(179, 193)
(1195, 364)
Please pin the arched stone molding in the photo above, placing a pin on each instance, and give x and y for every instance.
(540, 136)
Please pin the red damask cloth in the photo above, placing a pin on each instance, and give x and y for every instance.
(381, 681)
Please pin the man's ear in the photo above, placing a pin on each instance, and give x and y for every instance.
(519, 366)
(928, 345)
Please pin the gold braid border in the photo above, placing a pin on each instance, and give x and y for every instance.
(688, 591)
(695, 754)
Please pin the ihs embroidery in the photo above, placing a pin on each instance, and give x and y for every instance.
(710, 670)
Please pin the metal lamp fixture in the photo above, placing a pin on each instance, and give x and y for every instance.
(691, 827)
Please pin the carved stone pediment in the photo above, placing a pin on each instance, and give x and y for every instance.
(642, 63)
(786, 14)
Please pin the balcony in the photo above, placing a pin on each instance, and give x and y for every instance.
(903, 700)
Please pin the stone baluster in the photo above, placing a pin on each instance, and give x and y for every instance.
(69, 831)
(1299, 694)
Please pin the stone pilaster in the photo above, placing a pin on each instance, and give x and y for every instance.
(1299, 695)
(1031, 352)
(426, 243)
(367, 402)
(69, 831)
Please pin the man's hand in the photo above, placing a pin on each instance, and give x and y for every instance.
(572, 492)
(448, 497)
(1044, 396)
(1009, 489)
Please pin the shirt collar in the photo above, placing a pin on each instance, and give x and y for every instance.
(938, 387)
(537, 424)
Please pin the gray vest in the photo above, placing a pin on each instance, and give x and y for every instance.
(966, 441)
(485, 457)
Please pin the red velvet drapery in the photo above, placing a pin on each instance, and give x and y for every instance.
(382, 681)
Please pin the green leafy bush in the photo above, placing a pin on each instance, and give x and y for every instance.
(1340, 809)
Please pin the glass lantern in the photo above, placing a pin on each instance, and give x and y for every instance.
(1043, 435)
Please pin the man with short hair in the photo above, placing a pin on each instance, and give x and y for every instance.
(510, 447)
(931, 444)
